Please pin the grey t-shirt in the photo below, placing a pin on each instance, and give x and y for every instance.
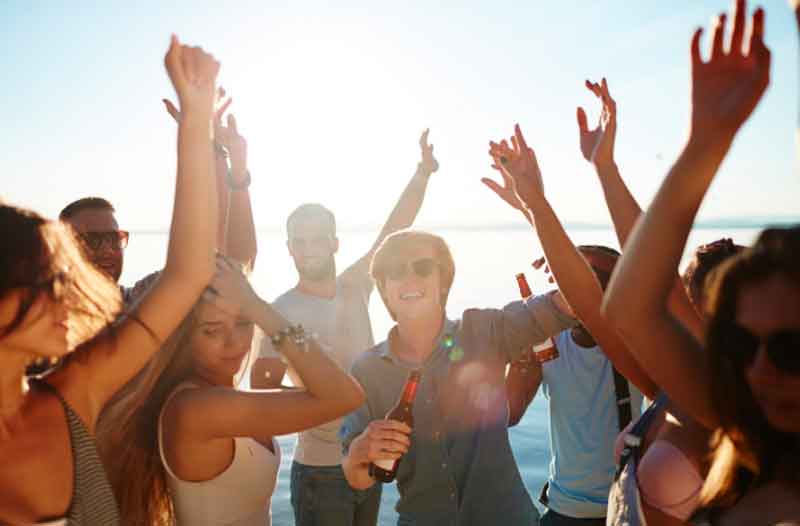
(344, 331)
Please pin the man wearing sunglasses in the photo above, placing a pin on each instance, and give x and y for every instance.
(336, 309)
(93, 220)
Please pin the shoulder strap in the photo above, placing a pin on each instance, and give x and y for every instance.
(623, 395)
(632, 440)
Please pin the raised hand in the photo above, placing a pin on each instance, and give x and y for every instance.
(597, 145)
(428, 164)
(230, 290)
(522, 179)
(221, 106)
(236, 145)
(193, 73)
(727, 88)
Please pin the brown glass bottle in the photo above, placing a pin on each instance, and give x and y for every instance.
(386, 470)
(546, 350)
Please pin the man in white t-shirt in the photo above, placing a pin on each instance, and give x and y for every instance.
(336, 309)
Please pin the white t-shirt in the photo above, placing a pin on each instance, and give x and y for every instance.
(344, 332)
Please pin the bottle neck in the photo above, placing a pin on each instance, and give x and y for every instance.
(410, 391)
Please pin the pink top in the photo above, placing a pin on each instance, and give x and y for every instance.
(668, 481)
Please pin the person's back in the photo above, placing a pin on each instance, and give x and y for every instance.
(584, 421)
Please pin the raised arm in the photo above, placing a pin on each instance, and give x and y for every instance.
(116, 356)
(409, 204)
(207, 414)
(240, 230)
(597, 147)
(725, 91)
(576, 280)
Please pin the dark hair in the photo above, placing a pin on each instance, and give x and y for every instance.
(610, 255)
(85, 203)
(747, 449)
(33, 250)
(706, 259)
(314, 211)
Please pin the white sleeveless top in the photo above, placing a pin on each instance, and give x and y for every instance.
(239, 496)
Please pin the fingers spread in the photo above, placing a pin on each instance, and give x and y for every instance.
(737, 33)
(695, 47)
(717, 46)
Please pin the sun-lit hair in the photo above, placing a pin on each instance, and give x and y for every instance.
(747, 450)
(127, 431)
(705, 260)
(603, 263)
(33, 250)
(311, 212)
(396, 247)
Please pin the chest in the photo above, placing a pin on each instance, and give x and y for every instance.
(36, 479)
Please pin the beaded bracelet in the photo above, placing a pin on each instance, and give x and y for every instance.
(298, 335)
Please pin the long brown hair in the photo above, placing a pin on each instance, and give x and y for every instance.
(127, 432)
(34, 250)
(747, 451)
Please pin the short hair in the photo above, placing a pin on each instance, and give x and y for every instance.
(85, 203)
(396, 245)
(705, 262)
(603, 274)
(310, 211)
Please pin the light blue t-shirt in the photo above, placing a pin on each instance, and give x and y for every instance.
(579, 388)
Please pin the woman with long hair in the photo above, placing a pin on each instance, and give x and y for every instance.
(185, 445)
(54, 304)
(742, 383)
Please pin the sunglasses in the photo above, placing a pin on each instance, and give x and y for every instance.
(116, 239)
(421, 267)
(782, 347)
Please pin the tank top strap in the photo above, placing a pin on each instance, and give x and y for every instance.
(633, 439)
(93, 502)
(181, 387)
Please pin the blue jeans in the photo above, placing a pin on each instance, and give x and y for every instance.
(321, 496)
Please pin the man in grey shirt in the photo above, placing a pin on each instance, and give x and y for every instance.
(336, 308)
(456, 464)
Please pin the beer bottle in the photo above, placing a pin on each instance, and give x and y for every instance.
(546, 350)
(386, 470)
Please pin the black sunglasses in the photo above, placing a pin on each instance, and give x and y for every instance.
(116, 239)
(782, 347)
(421, 267)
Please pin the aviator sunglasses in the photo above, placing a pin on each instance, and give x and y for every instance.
(782, 347)
(116, 239)
(421, 267)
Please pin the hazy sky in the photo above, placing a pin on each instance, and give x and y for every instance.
(332, 101)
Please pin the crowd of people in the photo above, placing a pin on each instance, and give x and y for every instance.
(120, 405)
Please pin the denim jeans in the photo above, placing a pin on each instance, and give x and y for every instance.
(321, 496)
(551, 518)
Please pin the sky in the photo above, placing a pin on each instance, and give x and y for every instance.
(332, 101)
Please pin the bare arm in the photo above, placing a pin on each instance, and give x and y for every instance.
(240, 239)
(725, 90)
(116, 358)
(597, 146)
(576, 280)
(206, 414)
(409, 204)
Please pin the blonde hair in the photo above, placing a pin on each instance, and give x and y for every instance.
(397, 246)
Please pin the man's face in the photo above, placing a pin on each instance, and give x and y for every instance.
(312, 245)
(105, 252)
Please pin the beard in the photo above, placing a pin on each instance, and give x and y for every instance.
(317, 269)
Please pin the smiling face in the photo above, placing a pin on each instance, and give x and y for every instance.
(108, 257)
(220, 342)
(764, 308)
(412, 285)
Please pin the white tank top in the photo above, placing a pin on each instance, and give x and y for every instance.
(239, 496)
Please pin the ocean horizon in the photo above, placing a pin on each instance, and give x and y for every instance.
(486, 259)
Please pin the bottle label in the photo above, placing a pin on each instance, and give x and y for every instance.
(388, 465)
(545, 351)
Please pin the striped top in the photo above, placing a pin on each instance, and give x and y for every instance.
(93, 502)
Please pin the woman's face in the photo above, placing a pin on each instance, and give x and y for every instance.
(220, 341)
(764, 308)
(413, 285)
(43, 331)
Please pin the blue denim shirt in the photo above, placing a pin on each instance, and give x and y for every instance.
(460, 469)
